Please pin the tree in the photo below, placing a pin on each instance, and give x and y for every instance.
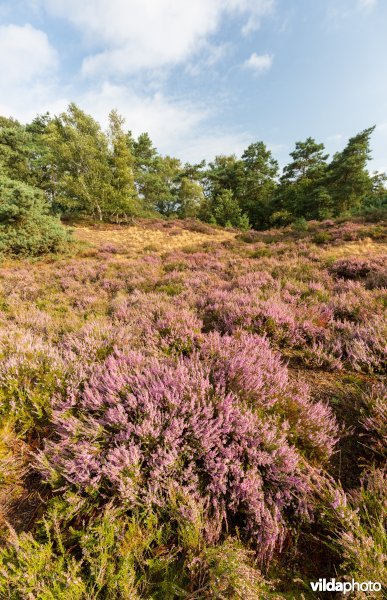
(258, 183)
(224, 210)
(302, 191)
(16, 150)
(40, 163)
(160, 185)
(124, 200)
(190, 197)
(146, 169)
(348, 180)
(81, 175)
(224, 173)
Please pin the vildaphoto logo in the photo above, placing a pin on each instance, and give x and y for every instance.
(331, 585)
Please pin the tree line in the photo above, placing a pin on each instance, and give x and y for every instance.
(68, 165)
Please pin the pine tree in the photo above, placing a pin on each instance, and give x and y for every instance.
(258, 183)
(224, 210)
(302, 191)
(348, 180)
(224, 173)
(26, 227)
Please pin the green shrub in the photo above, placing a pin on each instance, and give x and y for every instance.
(26, 228)
(114, 556)
(322, 237)
(300, 224)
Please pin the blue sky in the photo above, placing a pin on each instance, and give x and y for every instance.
(204, 77)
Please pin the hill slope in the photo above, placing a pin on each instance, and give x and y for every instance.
(189, 408)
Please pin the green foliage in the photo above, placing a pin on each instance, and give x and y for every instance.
(224, 210)
(302, 189)
(124, 200)
(81, 174)
(42, 566)
(112, 176)
(26, 228)
(348, 180)
(322, 237)
(190, 197)
(122, 557)
(360, 538)
(281, 217)
(224, 173)
(300, 224)
(258, 184)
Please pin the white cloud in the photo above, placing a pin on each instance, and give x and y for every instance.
(259, 63)
(28, 66)
(25, 55)
(367, 5)
(126, 36)
(122, 38)
(211, 56)
(176, 127)
(168, 120)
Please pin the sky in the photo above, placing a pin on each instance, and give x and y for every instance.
(204, 77)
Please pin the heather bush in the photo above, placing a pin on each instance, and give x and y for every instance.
(117, 557)
(362, 346)
(13, 468)
(158, 325)
(141, 428)
(43, 567)
(357, 268)
(352, 302)
(32, 570)
(227, 311)
(227, 571)
(247, 367)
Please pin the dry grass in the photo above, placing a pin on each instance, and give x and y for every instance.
(366, 248)
(133, 240)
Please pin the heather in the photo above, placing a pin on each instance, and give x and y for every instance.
(193, 413)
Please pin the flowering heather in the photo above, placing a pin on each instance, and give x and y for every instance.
(372, 272)
(141, 427)
(247, 366)
(195, 408)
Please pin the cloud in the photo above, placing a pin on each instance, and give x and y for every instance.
(127, 36)
(25, 55)
(259, 63)
(121, 40)
(167, 119)
(176, 126)
(28, 65)
(211, 56)
(367, 5)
